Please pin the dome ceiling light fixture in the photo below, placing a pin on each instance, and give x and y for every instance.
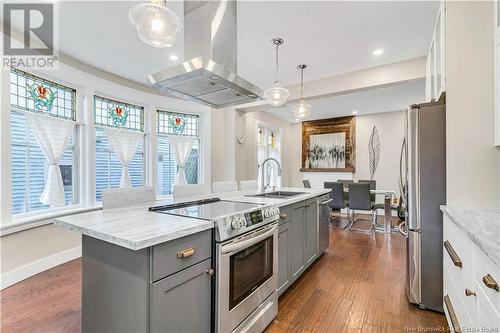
(156, 24)
(277, 94)
(301, 109)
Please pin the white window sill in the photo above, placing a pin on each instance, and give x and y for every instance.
(37, 219)
(164, 197)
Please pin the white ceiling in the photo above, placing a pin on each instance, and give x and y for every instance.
(386, 99)
(331, 37)
(99, 33)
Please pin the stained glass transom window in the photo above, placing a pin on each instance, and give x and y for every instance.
(178, 124)
(171, 124)
(117, 114)
(32, 93)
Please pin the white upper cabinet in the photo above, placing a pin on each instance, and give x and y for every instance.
(497, 71)
(435, 82)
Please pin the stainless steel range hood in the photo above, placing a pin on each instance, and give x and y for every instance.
(210, 76)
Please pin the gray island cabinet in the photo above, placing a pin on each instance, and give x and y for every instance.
(149, 272)
(297, 241)
(161, 288)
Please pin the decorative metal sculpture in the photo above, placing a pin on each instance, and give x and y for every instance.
(374, 151)
(43, 97)
(118, 114)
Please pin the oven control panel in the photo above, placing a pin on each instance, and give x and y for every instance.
(237, 224)
(253, 218)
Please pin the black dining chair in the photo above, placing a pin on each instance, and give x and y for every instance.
(338, 203)
(346, 183)
(373, 186)
(359, 199)
(306, 183)
(376, 206)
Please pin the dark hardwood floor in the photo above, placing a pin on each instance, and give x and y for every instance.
(356, 286)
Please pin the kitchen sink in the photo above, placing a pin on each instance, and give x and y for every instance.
(276, 194)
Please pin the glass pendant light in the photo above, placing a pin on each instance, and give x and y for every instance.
(277, 94)
(156, 24)
(302, 109)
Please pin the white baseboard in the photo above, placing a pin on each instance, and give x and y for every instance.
(17, 275)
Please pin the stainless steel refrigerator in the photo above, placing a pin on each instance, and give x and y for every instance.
(423, 188)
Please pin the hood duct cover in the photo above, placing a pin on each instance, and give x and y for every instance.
(210, 42)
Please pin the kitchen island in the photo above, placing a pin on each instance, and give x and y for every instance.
(147, 272)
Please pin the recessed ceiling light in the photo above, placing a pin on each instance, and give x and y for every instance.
(378, 52)
(355, 112)
(173, 57)
(297, 120)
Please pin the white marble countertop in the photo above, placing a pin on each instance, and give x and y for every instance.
(481, 225)
(242, 196)
(137, 228)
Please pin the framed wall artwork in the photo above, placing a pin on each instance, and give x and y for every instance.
(329, 145)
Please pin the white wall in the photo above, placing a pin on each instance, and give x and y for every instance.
(473, 163)
(246, 153)
(390, 127)
(222, 142)
(24, 251)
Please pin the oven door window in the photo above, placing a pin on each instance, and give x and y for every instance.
(249, 269)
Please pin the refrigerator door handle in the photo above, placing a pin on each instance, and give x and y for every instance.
(401, 186)
(402, 229)
(413, 204)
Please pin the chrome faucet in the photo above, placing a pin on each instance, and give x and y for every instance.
(262, 185)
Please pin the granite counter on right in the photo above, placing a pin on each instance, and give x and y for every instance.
(471, 268)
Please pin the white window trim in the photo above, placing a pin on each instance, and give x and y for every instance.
(92, 137)
(77, 157)
(267, 127)
(154, 140)
(42, 217)
(86, 155)
(10, 223)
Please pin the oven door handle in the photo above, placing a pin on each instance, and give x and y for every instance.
(246, 243)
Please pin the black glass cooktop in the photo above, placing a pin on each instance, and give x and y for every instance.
(208, 209)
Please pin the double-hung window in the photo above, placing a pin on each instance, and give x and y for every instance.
(48, 103)
(171, 124)
(122, 116)
(268, 145)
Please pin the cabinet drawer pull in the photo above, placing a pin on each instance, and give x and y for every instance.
(210, 271)
(490, 282)
(283, 216)
(453, 315)
(186, 253)
(469, 292)
(453, 255)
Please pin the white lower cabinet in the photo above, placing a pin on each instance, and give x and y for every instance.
(471, 298)
(487, 314)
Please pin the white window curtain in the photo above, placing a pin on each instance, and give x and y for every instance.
(52, 135)
(124, 145)
(181, 148)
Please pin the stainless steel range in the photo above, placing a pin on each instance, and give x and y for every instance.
(246, 247)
